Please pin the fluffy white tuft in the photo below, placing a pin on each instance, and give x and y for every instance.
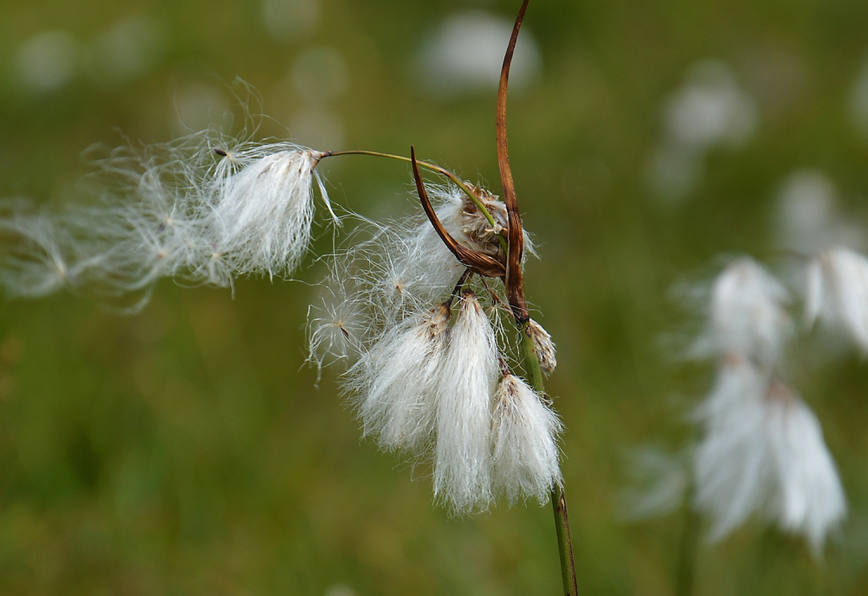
(746, 315)
(811, 500)
(396, 382)
(524, 443)
(837, 290)
(462, 459)
(262, 213)
(543, 347)
(763, 452)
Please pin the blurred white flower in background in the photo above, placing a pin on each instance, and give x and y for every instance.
(710, 110)
(837, 292)
(806, 217)
(48, 60)
(763, 453)
(197, 105)
(128, 48)
(465, 53)
(290, 19)
(320, 73)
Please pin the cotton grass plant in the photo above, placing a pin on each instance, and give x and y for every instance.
(418, 308)
(759, 451)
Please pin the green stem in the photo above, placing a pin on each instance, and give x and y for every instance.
(687, 555)
(558, 498)
(434, 168)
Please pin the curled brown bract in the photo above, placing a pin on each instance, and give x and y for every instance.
(475, 261)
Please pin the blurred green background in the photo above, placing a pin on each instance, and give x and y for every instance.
(187, 450)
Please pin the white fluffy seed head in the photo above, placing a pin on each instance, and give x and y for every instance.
(810, 499)
(837, 290)
(524, 443)
(396, 382)
(762, 452)
(262, 213)
(746, 315)
(732, 469)
(469, 371)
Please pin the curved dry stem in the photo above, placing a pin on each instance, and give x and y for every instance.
(514, 280)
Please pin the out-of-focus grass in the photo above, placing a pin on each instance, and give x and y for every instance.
(186, 450)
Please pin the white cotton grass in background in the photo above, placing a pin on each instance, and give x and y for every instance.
(762, 452)
(708, 111)
(807, 218)
(48, 61)
(811, 499)
(525, 443)
(837, 292)
(746, 315)
(469, 372)
(465, 54)
(711, 109)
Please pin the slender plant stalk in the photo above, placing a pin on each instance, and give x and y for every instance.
(558, 497)
(687, 552)
(515, 295)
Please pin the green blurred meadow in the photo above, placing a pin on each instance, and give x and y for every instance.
(188, 449)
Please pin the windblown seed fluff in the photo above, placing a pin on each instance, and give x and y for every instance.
(178, 210)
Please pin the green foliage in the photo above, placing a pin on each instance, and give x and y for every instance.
(187, 450)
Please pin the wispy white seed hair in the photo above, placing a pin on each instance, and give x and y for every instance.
(524, 443)
(337, 325)
(763, 453)
(469, 372)
(746, 315)
(543, 347)
(45, 261)
(396, 382)
(837, 290)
